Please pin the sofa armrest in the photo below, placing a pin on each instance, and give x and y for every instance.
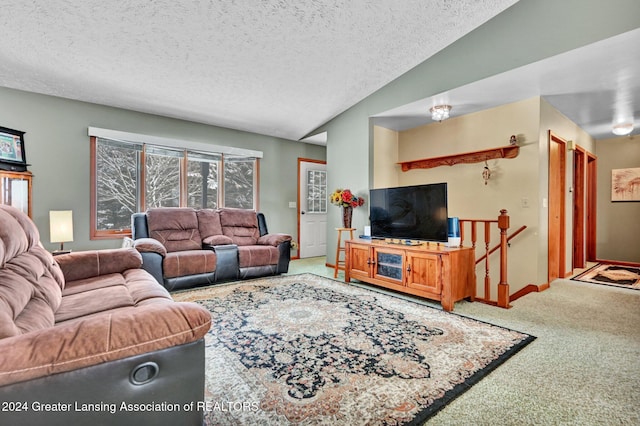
(150, 245)
(216, 240)
(273, 239)
(92, 263)
(101, 338)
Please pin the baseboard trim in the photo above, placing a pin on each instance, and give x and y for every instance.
(618, 262)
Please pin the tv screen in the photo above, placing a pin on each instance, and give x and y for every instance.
(409, 212)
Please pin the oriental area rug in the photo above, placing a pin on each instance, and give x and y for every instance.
(614, 275)
(307, 350)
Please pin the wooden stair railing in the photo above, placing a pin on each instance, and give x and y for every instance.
(503, 225)
(497, 246)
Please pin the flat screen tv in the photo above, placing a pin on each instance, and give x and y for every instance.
(409, 212)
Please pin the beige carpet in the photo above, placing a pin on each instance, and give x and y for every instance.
(583, 368)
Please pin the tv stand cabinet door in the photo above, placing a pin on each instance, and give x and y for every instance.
(389, 265)
(424, 273)
(358, 265)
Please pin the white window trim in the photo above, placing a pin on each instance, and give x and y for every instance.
(170, 142)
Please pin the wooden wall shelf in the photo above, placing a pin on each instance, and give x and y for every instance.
(509, 151)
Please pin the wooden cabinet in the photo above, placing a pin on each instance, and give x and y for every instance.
(15, 190)
(431, 271)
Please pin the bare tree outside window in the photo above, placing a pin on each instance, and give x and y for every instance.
(162, 180)
(202, 184)
(121, 180)
(117, 182)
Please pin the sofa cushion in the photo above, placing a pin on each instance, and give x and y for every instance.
(108, 292)
(209, 222)
(240, 225)
(211, 228)
(100, 299)
(176, 228)
(178, 264)
(257, 256)
(30, 280)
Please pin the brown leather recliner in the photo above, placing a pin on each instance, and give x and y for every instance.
(184, 247)
(91, 338)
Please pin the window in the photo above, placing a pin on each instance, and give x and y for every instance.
(202, 180)
(116, 187)
(131, 177)
(317, 191)
(239, 182)
(162, 177)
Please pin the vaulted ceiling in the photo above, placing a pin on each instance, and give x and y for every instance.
(284, 68)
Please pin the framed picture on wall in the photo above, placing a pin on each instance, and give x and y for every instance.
(625, 184)
(12, 155)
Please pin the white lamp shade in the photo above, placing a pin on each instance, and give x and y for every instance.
(61, 226)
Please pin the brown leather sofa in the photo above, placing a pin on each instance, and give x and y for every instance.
(91, 338)
(185, 247)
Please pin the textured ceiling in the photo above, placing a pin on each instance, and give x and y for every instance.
(274, 67)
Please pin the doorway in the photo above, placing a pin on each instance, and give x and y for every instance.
(312, 208)
(579, 165)
(557, 215)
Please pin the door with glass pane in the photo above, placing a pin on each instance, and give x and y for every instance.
(313, 198)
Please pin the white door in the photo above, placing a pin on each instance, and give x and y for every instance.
(313, 209)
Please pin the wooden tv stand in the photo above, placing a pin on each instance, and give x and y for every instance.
(431, 271)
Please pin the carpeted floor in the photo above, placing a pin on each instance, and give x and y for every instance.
(582, 369)
(304, 349)
(614, 275)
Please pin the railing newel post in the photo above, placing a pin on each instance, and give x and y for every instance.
(503, 286)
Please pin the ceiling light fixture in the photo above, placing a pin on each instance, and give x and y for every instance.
(440, 112)
(622, 129)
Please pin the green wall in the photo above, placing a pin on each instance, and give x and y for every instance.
(527, 32)
(57, 147)
(617, 223)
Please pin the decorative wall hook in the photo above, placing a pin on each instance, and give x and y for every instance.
(486, 173)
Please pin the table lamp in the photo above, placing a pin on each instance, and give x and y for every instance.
(61, 228)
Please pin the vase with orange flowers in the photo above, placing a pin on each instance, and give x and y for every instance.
(348, 201)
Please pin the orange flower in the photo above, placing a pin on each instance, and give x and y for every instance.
(346, 198)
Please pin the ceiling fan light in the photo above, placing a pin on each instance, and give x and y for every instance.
(440, 112)
(622, 129)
